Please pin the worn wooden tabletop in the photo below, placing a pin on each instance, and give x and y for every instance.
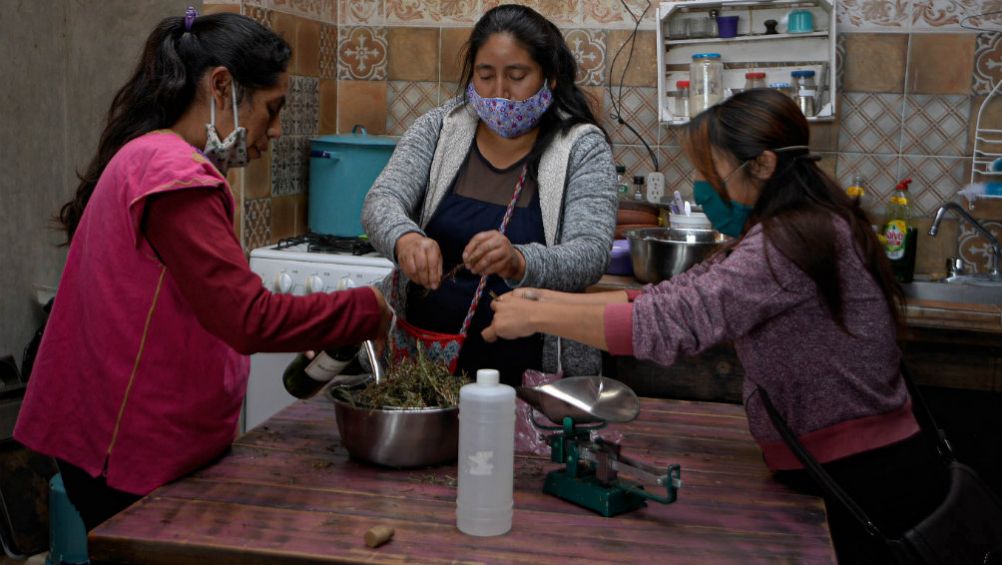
(287, 493)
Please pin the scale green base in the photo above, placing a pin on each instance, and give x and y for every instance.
(588, 492)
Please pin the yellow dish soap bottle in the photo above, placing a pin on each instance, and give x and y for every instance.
(900, 235)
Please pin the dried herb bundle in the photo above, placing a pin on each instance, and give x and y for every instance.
(413, 383)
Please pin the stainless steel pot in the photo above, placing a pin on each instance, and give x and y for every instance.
(658, 254)
(397, 437)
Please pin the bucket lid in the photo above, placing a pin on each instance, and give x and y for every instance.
(358, 136)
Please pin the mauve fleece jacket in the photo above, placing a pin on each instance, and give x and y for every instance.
(841, 393)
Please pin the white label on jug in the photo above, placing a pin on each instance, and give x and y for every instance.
(481, 464)
(806, 92)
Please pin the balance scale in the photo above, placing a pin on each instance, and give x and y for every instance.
(578, 406)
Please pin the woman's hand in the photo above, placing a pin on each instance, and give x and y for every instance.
(420, 259)
(511, 318)
(491, 253)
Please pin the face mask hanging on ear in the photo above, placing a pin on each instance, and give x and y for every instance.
(231, 152)
(727, 217)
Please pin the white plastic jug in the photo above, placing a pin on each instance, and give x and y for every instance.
(486, 456)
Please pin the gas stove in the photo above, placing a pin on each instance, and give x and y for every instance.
(302, 265)
(316, 263)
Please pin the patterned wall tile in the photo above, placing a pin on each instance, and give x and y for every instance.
(560, 12)
(459, 11)
(258, 14)
(290, 164)
(638, 107)
(991, 21)
(635, 158)
(612, 14)
(974, 248)
(942, 15)
(257, 223)
(987, 62)
(934, 180)
(935, 125)
(447, 91)
(328, 51)
(677, 170)
(361, 53)
(411, 11)
(879, 172)
(870, 123)
(360, 12)
(840, 52)
(859, 15)
(588, 47)
(320, 10)
(407, 101)
(301, 114)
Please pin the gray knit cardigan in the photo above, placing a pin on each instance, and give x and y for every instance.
(577, 194)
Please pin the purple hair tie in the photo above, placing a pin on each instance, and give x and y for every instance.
(189, 18)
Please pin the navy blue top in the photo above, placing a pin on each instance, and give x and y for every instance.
(470, 207)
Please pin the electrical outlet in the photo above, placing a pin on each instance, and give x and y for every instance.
(655, 187)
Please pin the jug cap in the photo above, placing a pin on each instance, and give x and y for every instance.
(705, 56)
(489, 377)
(802, 74)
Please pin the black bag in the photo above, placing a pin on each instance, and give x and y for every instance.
(966, 528)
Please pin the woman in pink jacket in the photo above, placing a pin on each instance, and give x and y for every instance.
(143, 366)
(806, 294)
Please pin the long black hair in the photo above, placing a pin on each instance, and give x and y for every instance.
(546, 45)
(797, 202)
(165, 84)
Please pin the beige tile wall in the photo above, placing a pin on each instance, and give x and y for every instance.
(907, 107)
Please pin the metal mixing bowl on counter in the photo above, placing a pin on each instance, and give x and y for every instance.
(396, 437)
(658, 254)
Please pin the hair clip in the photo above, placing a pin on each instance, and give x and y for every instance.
(189, 18)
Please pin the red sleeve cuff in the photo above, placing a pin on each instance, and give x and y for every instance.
(368, 311)
(619, 328)
(632, 294)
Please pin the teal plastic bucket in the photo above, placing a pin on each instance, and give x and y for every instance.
(67, 535)
(342, 169)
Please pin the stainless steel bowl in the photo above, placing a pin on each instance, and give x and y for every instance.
(658, 254)
(397, 437)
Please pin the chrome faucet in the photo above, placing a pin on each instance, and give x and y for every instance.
(993, 260)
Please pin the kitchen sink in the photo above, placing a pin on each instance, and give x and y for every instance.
(973, 291)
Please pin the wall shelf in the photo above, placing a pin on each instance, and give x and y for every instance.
(741, 38)
(777, 55)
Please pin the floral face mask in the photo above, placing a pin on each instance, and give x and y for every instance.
(511, 118)
(232, 151)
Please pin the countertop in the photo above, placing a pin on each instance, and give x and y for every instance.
(918, 313)
(287, 493)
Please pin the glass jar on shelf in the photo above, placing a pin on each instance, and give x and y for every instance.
(706, 73)
(681, 108)
(783, 87)
(754, 80)
(806, 90)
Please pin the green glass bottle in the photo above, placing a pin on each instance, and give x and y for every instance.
(304, 377)
(900, 234)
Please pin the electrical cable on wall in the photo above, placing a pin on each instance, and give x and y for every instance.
(616, 113)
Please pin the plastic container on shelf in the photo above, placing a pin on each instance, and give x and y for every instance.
(706, 88)
(681, 107)
(754, 80)
(806, 91)
(727, 26)
(784, 87)
(484, 493)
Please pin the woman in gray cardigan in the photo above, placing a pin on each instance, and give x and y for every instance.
(438, 205)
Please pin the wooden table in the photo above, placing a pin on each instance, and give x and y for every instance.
(287, 493)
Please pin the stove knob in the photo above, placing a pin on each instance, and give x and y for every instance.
(314, 283)
(283, 283)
